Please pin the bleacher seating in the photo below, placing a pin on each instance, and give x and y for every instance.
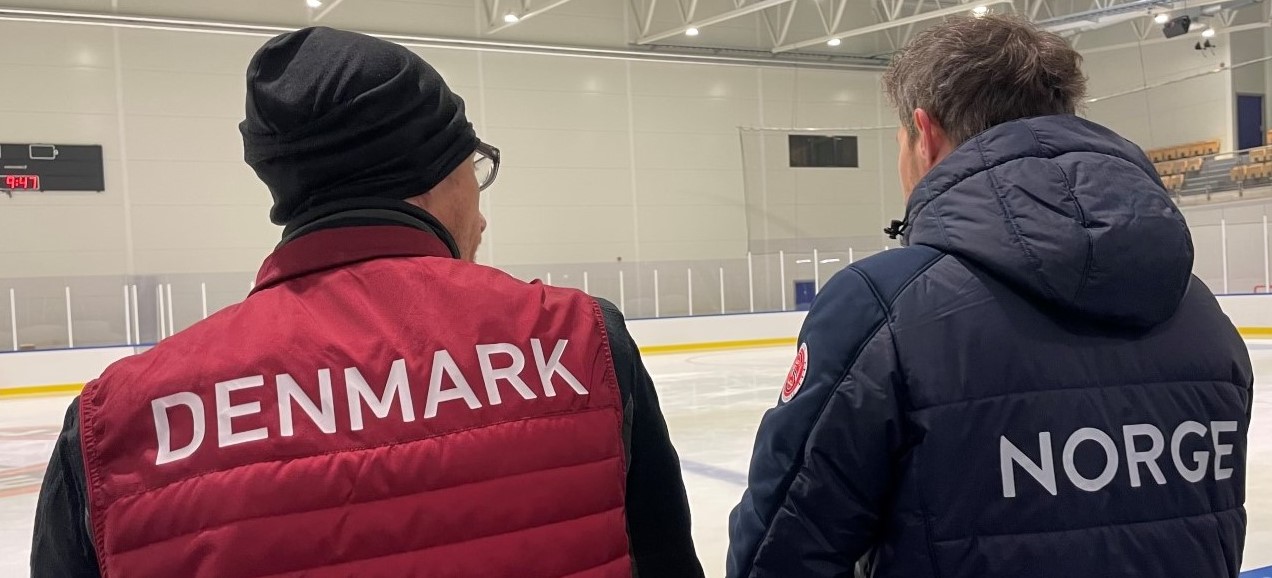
(1256, 171)
(1176, 164)
(1251, 172)
(1199, 168)
(1180, 167)
(1190, 150)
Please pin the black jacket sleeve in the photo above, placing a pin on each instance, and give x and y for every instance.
(657, 505)
(62, 545)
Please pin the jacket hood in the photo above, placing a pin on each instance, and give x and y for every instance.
(1062, 209)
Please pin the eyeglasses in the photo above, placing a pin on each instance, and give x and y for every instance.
(486, 161)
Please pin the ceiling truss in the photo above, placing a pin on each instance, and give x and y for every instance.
(897, 20)
(644, 10)
(893, 20)
(497, 10)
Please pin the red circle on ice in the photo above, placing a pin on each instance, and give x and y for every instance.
(795, 379)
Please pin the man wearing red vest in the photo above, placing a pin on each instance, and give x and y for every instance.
(379, 405)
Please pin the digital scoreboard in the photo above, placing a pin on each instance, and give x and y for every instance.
(46, 167)
(21, 182)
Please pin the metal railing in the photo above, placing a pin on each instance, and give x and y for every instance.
(1233, 255)
(1219, 177)
(63, 312)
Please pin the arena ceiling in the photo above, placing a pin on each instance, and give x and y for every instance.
(845, 32)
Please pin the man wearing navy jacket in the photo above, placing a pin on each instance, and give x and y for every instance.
(1035, 385)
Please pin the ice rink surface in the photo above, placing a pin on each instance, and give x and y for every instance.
(712, 402)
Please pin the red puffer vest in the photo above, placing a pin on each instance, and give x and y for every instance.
(371, 409)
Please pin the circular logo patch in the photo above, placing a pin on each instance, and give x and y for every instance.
(795, 379)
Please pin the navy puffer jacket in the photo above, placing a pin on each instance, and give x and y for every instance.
(1036, 386)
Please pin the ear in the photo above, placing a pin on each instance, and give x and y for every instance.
(932, 138)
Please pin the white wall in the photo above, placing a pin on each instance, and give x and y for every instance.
(827, 208)
(179, 198)
(603, 158)
(1267, 76)
(1246, 46)
(1196, 109)
(1241, 225)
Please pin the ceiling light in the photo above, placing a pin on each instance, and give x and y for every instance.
(825, 261)
(691, 32)
(315, 4)
(511, 18)
(1208, 33)
(1161, 18)
(980, 10)
(803, 261)
(834, 42)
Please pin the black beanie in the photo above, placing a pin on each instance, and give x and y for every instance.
(335, 115)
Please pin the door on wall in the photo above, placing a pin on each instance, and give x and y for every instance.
(1249, 121)
(805, 291)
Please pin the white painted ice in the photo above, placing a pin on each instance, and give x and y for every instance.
(712, 402)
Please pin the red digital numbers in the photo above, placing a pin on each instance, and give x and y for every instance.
(22, 182)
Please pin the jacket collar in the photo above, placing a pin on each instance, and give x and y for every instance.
(367, 211)
(334, 248)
